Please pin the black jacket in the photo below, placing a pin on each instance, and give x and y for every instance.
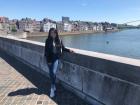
(49, 51)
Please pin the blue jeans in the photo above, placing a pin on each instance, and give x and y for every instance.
(52, 71)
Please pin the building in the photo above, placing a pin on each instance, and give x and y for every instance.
(26, 27)
(65, 19)
(60, 26)
(83, 26)
(100, 27)
(46, 24)
(75, 26)
(4, 24)
(36, 26)
(26, 24)
(90, 26)
(4, 20)
(67, 27)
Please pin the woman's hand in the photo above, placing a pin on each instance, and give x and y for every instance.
(71, 51)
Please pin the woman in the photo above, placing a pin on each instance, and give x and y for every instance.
(53, 51)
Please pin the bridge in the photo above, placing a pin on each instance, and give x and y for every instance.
(131, 24)
(87, 78)
(132, 21)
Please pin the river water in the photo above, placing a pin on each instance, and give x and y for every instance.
(123, 43)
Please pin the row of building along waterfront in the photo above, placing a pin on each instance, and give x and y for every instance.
(65, 25)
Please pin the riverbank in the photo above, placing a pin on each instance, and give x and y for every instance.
(24, 35)
(38, 34)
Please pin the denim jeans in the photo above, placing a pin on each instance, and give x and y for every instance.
(53, 67)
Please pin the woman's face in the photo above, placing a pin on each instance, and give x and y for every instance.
(53, 34)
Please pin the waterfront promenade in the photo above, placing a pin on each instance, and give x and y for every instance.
(21, 85)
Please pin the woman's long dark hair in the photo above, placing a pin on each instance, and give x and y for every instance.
(57, 40)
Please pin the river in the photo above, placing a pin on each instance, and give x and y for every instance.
(123, 43)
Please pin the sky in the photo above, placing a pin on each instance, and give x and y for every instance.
(116, 11)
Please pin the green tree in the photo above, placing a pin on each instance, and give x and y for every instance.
(14, 29)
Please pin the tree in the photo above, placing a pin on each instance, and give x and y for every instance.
(14, 29)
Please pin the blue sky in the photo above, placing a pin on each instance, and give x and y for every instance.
(118, 11)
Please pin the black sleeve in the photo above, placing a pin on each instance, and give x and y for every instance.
(64, 48)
